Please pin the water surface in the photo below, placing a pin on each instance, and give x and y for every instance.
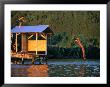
(89, 68)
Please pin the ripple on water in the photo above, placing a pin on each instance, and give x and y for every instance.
(58, 69)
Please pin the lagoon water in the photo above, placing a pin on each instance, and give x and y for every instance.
(89, 68)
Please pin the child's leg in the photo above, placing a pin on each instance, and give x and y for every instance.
(83, 53)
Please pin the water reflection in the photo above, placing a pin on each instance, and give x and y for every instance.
(29, 70)
(38, 71)
(54, 70)
(74, 70)
(82, 70)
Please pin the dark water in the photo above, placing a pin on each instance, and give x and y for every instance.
(74, 70)
(57, 69)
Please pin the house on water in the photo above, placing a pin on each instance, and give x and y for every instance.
(33, 41)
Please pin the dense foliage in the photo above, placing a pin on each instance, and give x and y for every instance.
(66, 25)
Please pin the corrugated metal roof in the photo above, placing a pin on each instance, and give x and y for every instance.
(27, 29)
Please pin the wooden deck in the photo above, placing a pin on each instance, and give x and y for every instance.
(23, 55)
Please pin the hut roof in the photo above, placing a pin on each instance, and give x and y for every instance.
(29, 29)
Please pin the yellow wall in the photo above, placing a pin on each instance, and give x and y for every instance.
(39, 45)
(32, 45)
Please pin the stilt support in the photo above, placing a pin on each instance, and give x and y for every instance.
(33, 60)
(22, 61)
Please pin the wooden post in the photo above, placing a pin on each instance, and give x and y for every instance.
(16, 43)
(24, 42)
(22, 60)
(46, 44)
(46, 50)
(33, 60)
(36, 42)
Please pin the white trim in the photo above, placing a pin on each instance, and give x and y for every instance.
(56, 80)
